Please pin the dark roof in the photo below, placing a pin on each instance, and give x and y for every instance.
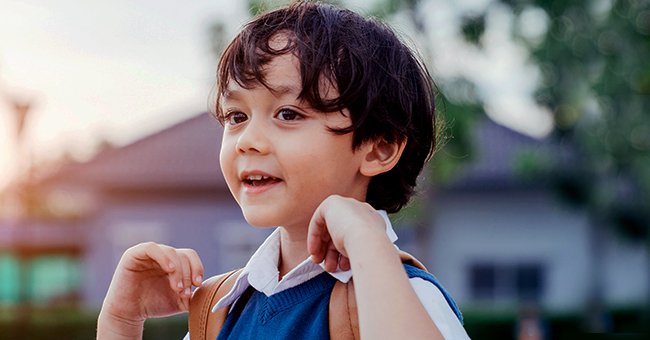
(36, 238)
(494, 158)
(185, 155)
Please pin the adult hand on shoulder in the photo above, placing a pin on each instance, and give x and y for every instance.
(151, 280)
(338, 222)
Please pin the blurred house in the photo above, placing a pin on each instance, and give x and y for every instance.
(40, 262)
(166, 187)
(499, 241)
(495, 240)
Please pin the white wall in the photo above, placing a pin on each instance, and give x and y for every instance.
(516, 227)
(202, 224)
(527, 226)
(626, 271)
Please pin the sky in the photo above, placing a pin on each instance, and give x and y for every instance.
(121, 69)
(93, 70)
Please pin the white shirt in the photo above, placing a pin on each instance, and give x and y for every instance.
(261, 272)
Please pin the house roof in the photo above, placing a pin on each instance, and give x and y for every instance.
(38, 238)
(496, 151)
(185, 155)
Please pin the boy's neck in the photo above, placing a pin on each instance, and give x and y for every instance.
(293, 250)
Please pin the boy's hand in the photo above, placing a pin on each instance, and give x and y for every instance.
(151, 280)
(336, 224)
(344, 226)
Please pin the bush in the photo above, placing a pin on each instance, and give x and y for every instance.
(72, 323)
(624, 323)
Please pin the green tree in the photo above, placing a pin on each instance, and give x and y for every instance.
(596, 81)
(593, 57)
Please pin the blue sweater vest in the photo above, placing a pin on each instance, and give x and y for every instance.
(299, 312)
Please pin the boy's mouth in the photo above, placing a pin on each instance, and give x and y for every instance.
(259, 180)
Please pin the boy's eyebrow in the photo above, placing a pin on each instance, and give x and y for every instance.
(279, 90)
(231, 94)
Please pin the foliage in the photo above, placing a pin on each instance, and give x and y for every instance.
(73, 323)
(256, 7)
(596, 80)
(455, 142)
(76, 324)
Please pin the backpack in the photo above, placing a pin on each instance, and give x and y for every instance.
(343, 318)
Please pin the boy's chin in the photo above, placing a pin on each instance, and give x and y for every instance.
(277, 214)
(260, 224)
(260, 220)
(268, 219)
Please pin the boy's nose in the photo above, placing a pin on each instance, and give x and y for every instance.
(252, 139)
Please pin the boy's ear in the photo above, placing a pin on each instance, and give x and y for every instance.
(381, 156)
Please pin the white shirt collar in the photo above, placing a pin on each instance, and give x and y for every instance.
(262, 273)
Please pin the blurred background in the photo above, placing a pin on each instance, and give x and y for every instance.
(534, 213)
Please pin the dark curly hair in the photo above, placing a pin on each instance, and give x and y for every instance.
(382, 82)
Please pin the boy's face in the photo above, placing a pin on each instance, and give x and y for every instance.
(278, 157)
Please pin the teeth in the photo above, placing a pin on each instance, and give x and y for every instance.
(257, 178)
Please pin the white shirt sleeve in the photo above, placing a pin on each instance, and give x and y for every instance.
(187, 336)
(436, 305)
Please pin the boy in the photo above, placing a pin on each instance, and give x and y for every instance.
(328, 120)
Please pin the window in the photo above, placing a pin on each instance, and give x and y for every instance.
(483, 281)
(9, 274)
(506, 282)
(528, 282)
(52, 278)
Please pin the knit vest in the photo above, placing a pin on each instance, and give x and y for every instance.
(300, 312)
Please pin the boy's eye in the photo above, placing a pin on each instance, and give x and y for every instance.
(287, 114)
(233, 118)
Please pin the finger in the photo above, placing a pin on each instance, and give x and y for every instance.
(186, 274)
(152, 252)
(332, 259)
(196, 266)
(344, 263)
(184, 303)
(317, 237)
(176, 276)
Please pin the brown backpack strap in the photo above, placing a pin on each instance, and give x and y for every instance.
(202, 325)
(410, 259)
(343, 316)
